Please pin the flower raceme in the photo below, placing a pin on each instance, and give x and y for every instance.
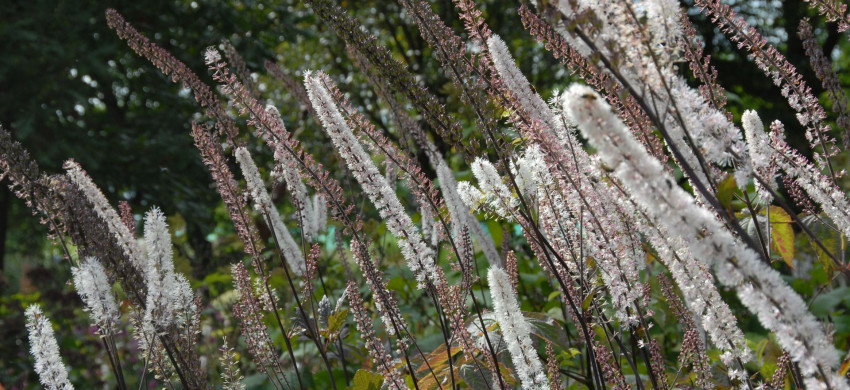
(759, 287)
(48, 363)
(773, 153)
(599, 224)
(290, 249)
(420, 257)
(516, 331)
(107, 213)
(95, 290)
(170, 299)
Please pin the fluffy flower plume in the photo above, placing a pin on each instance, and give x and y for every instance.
(170, 298)
(45, 351)
(760, 288)
(647, 61)
(514, 80)
(96, 292)
(516, 331)
(575, 191)
(491, 190)
(776, 153)
(264, 204)
(771, 152)
(312, 220)
(810, 113)
(420, 257)
(107, 213)
(459, 211)
(760, 154)
(697, 286)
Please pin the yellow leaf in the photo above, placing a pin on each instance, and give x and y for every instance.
(726, 191)
(844, 368)
(782, 235)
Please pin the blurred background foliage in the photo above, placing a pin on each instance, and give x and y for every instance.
(70, 89)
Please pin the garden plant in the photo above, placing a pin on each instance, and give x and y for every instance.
(624, 230)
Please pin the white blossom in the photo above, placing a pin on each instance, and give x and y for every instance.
(820, 188)
(514, 80)
(662, 18)
(577, 193)
(516, 332)
(289, 248)
(94, 289)
(760, 154)
(107, 213)
(459, 212)
(647, 64)
(286, 167)
(168, 294)
(470, 195)
(760, 288)
(496, 194)
(420, 258)
(211, 55)
(44, 349)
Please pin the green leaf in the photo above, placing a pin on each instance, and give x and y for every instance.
(782, 235)
(365, 380)
(826, 303)
(337, 320)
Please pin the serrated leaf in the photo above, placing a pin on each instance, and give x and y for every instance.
(585, 304)
(782, 235)
(365, 380)
(337, 320)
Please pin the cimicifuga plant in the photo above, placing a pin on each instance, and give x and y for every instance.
(619, 226)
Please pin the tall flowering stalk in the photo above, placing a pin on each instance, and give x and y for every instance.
(823, 70)
(516, 331)
(28, 183)
(573, 56)
(248, 310)
(177, 70)
(833, 10)
(216, 161)
(459, 213)
(609, 241)
(384, 363)
(810, 113)
(231, 376)
(107, 213)
(420, 257)
(760, 154)
(772, 150)
(394, 72)
(94, 288)
(291, 251)
(760, 288)
(172, 351)
(703, 136)
(311, 212)
(170, 300)
(43, 348)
